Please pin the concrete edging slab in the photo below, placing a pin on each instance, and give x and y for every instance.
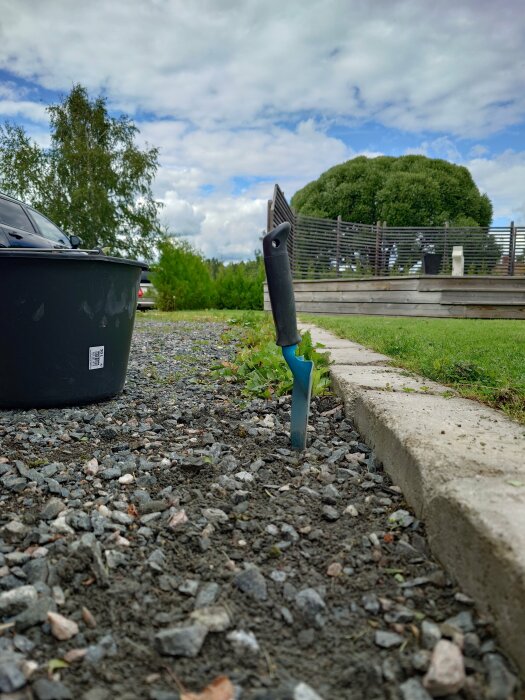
(461, 466)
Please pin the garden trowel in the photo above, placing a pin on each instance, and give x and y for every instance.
(280, 289)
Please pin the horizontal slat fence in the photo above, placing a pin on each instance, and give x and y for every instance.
(332, 248)
(278, 213)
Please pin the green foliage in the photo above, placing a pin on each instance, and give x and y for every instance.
(181, 278)
(185, 280)
(93, 180)
(482, 359)
(197, 315)
(259, 364)
(406, 191)
(240, 285)
(23, 167)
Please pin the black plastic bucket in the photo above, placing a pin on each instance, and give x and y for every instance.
(432, 263)
(66, 325)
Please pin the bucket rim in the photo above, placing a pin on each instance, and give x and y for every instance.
(68, 254)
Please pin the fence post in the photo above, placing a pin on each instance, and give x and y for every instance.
(292, 247)
(269, 216)
(376, 261)
(444, 264)
(338, 245)
(512, 249)
(384, 262)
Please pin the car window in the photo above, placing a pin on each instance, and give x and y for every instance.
(12, 214)
(48, 228)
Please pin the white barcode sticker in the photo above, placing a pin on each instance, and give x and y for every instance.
(96, 357)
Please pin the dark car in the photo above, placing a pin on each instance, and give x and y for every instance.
(22, 226)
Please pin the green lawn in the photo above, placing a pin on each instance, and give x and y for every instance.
(482, 359)
(203, 315)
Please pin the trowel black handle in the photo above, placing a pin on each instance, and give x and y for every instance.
(280, 286)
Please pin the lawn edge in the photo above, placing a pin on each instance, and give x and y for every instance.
(460, 465)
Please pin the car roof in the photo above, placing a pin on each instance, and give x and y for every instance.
(28, 206)
(13, 199)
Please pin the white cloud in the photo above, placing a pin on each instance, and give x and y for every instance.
(442, 147)
(449, 66)
(15, 101)
(502, 178)
(227, 223)
(213, 156)
(180, 215)
(25, 109)
(232, 227)
(220, 226)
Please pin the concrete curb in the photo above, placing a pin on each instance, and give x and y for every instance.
(461, 467)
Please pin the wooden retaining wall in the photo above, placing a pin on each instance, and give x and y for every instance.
(438, 296)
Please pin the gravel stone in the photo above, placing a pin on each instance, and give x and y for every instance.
(45, 689)
(111, 473)
(371, 603)
(413, 690)
(23, 644)
(430, 634)
(52, 508)
(61, 627)
(243, 641)
(330, 513)
(207, 595)
(215, 618)
(181, 641)
(17, 599)
(215, 515)
(309, 602)
(387, 640)
(97, 694)
(302, 691)
(462, 621)
(11, 677)
(106, 647)
(446, 673)
(35, 614)
(252, 583)
(189, 587)
(502, 682)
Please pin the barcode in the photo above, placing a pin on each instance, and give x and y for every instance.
(96, 357)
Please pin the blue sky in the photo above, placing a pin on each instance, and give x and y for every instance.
(240, 94)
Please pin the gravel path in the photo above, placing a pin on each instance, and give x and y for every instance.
(168, 537)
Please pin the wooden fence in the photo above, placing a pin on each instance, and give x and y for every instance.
(441, 296)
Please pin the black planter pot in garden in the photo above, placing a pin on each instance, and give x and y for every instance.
(67, 319)
(432, 263)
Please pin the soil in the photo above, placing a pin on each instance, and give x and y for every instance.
(296, 575)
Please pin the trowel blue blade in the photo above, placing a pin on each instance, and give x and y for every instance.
(302, 371)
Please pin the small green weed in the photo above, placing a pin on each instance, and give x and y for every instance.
(37, 463)
(171, 378)
(259, 363)
(150, 372)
